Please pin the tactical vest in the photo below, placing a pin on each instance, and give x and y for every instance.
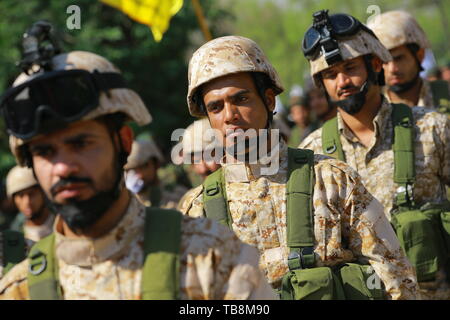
(160, 272)
(441, 95)
(13, 249)
(304, 281)
(423, 229)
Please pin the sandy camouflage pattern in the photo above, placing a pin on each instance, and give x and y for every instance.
(214, 263)
(352, 47)
(349, 223)
(223, 56)
(168, 199)
(141, 152)
(18, 179)
(396, 28)
(375, 164)
(119, 100)
(425, 95)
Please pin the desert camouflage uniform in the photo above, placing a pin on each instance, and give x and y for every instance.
(375, 163)
(214, 263)
(349, 223)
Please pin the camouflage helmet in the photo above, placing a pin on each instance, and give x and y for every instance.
(352, 46)
(141, 152)
(396, 28)
(18, 179)
(224, 56)
(119, 100)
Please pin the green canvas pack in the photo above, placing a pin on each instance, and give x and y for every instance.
(13, 249)
(422, 229)
(303, 281)
(160, 273)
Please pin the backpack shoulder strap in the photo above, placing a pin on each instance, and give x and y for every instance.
(440, 91)
(331, 142)
(300, 232)
(161, 270)
(403, 147)
(214, 198)
(43, 283)
(13, 249)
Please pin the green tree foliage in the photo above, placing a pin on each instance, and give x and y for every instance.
(157, 71)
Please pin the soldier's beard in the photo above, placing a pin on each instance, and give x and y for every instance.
(403, 87)
(79, 215)
(354, 103)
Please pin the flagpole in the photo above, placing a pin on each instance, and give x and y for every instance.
(201, 20)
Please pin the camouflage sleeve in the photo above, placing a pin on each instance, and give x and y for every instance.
(14, 285)
(192, 202)
(217, 265)
(313, 141)
(371, 238)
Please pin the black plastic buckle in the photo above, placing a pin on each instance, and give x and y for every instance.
(41, 264)
(299, 256)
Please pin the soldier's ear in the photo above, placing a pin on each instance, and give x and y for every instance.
(126, 137)
(420, 54)
(377, 64)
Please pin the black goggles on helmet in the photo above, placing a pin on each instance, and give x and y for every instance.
(54, 99)
(322, 36)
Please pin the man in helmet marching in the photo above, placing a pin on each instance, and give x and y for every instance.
(67, 124)
(401, 153)
(312, 211)
(400, 33)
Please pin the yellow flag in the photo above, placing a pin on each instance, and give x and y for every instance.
(154, 13)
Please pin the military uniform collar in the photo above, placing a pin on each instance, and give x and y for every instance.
(380, 122)
(245, 172)
(88, 251)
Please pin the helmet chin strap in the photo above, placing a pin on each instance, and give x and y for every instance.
(355, 102)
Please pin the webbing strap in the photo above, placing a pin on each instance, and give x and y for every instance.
(331, 142)
(300, 219)
(13, 249)
(43, 274)
(440, 92)
(214, 199)
(161, 271)
(402, 122)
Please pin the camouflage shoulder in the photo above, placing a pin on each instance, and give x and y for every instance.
(426, 119)
(313, 141)
(185, 203)
(14, 284)
(207, 231)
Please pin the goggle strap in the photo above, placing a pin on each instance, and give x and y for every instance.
(108, 80)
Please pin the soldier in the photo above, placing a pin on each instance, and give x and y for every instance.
(34, 218)
(363, 131)
(141, 172)
(103, 234)
(301, 115)
(195, 144)
(400, 33)
(316, 99)
(232, 82)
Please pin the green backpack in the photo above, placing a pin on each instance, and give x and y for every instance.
(14, 249)
(423, 230)
(304, 281)
(161, 249)
(441, 95)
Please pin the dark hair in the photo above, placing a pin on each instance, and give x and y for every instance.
(414, 48)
